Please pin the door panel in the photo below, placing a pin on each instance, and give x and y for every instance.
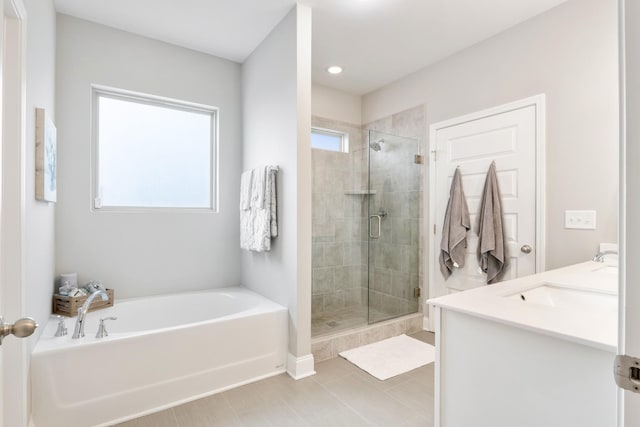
(3, 388)
(14, 382)
(629, 243)
(508, 138)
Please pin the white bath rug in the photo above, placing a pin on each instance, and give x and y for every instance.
(391, 357)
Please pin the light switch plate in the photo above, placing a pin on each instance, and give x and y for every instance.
(581, 220)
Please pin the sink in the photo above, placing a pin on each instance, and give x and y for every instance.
(607, 269)
(567, 298)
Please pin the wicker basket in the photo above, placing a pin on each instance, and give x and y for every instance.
(68, 306)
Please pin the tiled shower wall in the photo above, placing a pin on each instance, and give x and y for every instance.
(397, 267)
(340, 211)
(339, 255)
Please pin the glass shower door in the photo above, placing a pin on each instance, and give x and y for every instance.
(393, 224)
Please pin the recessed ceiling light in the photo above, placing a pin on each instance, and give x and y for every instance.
(334, 69)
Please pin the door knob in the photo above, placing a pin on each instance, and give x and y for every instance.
(526, 249)
(22, 328)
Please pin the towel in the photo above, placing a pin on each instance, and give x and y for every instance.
(454, 230)
(245, 190)
(271, 196)
(258, 187)
(492, 239)
(258, 223)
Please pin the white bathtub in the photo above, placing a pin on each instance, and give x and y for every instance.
(161, 351)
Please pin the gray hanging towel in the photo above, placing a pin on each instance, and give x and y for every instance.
(454, 230)
(492, 239)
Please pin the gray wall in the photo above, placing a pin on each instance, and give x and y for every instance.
(568, 53)
(39, 216)
(332, 104)
(142, 253)
(276, 81)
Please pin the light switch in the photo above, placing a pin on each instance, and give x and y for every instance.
(583, 220)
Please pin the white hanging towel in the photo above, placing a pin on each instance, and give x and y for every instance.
(246, 183)
(245, 190)
(258, 220)
(454, 230)
(492, 239)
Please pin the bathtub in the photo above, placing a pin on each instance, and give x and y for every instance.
(162, 351)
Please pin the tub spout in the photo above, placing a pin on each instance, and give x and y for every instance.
(78, 332)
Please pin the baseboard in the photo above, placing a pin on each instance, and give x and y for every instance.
(300, 367)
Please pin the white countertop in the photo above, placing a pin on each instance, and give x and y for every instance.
(593, 326)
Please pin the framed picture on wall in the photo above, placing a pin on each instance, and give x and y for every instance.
(45, 157)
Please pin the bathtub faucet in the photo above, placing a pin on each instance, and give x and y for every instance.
(78, 332)
(600, 255)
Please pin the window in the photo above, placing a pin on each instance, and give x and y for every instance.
(325, 139)
(151, 152)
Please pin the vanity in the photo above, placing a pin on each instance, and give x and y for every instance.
(530, 352)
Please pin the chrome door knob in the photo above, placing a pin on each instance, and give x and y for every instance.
(526, 249)
(22, 328)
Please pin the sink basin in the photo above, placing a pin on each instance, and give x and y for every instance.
(607, 269)
(566, 298)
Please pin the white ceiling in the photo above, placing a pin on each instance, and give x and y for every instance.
(227, 28)
(375, 41)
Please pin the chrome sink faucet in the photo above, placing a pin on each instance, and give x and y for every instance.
(600, 255)
(78, 332)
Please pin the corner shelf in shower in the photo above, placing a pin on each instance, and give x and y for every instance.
(360, 192)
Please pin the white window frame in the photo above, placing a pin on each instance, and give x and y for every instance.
(98, 91)
(344, 138)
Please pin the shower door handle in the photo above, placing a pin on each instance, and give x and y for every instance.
(379, 218)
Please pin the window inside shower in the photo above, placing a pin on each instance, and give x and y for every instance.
(331, 140)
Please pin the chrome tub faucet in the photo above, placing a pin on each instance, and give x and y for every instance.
(78, 332)
(600, 255)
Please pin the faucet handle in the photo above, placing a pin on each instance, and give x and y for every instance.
(102, 329)
(62, 327)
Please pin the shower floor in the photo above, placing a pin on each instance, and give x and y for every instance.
(330, 322)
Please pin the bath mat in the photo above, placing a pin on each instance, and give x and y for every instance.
(391, 357)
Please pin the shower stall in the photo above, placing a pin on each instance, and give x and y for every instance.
(366, 231)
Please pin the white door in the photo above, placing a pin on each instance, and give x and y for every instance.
(13, 351)
(2, 305)
(629, 242)
(512, 136)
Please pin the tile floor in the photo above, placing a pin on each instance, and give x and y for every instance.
(340, 319)
(340, 394)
